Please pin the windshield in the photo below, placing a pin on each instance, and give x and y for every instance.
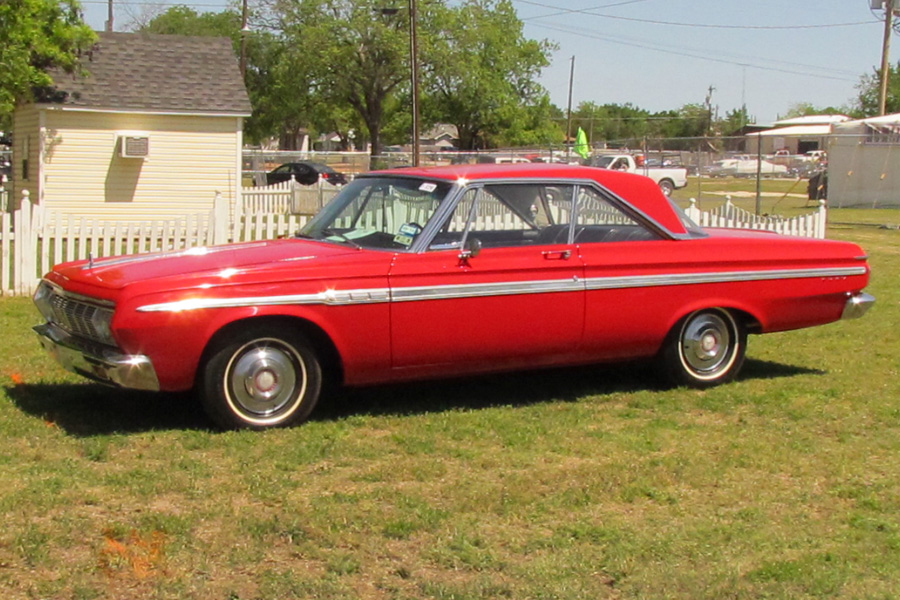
(378, 212)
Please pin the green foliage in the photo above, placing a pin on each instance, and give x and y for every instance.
(804, 109)
(182, 20)
(345, 54)
(37, 35)
(481, 74)
(869, 89)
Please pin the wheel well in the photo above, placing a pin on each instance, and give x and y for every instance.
(749, 322)
(332, 365)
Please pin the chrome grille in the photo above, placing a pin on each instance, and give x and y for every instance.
(71, 314)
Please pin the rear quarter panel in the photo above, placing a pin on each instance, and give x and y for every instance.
(638, 291)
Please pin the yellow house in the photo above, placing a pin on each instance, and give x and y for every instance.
(153, 131)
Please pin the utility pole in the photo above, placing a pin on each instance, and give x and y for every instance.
(414, 79)
(244, 30)
(109, 17)
(569, 120)
(886, 56)
(709, 112)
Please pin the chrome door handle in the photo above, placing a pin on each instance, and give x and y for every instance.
(557, 254)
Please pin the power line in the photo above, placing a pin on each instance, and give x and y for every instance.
(698, 55)
(161, 3)
(591, 12)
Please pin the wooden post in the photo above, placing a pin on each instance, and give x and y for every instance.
(220, 219)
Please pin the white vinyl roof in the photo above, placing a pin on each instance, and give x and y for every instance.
(797, 130)
(883, 119)
(813, 120)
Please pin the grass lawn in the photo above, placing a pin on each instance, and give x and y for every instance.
(580, 484)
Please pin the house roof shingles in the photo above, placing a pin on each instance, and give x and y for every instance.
(157, 73)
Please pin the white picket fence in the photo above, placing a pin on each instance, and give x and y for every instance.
(288, 197)
(34, 239)
(730, 216)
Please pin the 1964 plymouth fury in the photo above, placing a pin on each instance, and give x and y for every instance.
(440, 272)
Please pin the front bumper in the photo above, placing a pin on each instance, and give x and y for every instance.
(96, 361)
(857, 305)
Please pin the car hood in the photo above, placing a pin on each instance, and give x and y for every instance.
(221, 262)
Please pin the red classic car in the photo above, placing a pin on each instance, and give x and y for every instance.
(437, 272)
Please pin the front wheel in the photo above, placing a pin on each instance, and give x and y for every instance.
(704, 349)
(262, 378)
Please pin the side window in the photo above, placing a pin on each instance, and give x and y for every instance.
(508, 215)
(601, 221)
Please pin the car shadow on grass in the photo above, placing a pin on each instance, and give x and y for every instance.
(90, 409)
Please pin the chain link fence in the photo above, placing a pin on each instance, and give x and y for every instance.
(708, 164)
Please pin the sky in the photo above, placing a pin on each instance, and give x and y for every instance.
(662, 54)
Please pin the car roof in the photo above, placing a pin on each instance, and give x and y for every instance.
(642, 192)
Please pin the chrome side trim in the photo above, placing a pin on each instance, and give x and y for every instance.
(98, 362)
(328, 297)
(606, 283)
(446, 292)
(474, 290)
(857, 305)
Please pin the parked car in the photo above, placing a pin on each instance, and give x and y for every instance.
(745, 168)
(305, 173)
(722, 168)
(667, 178)
(439, 272)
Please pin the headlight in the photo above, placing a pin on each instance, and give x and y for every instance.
(42, 300)
(101, 320)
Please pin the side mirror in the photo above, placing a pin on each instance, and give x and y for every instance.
(471, 249)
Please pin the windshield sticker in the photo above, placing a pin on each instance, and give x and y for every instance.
(428, 187)
(403, 240)
(407, 233)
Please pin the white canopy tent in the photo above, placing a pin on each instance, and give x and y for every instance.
(864, 163)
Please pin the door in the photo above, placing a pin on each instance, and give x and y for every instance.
(628, 303)
(500, 285)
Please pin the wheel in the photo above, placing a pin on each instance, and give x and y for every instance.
(262, 378)
(704, 349)
(667, 187)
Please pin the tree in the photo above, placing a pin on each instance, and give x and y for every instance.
(181, 20)
(354, 54)
(480, 73)
(804, 109)
(38, 35)
(869, 88)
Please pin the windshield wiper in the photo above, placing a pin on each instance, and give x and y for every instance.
(334, 233)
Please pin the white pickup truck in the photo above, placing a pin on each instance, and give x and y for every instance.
(667, 178)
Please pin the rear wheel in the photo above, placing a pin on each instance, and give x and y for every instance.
(704, 349)
(667, 187)
(261, 378)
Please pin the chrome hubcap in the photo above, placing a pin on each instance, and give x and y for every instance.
(264, 377)
(707, 344)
